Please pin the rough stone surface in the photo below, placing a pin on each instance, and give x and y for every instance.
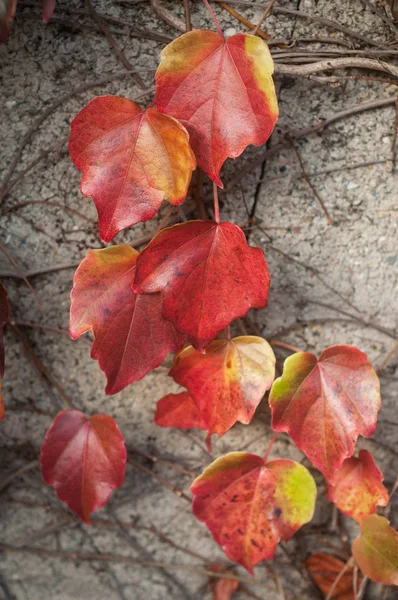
(330, 284)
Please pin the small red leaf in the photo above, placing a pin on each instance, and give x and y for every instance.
(130, 160)
(208, 274)
(221, 90)
(249, 505)
(325, 404)
(223, 589)
(179, 410)
(376, 550)
(48, 9)
(4, 316)
(227, 382)
(357, 487)
(130, 335)
(324, 569)
(84, 459)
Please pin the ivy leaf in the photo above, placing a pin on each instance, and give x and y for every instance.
(130, 335)
(130, 160)
(249, 505)
(84, 459)
(357, 487)
(324, 569)
(227, 382)
(325, 404)
(208, 275)
(179, 410)
(48, 9)
(376, 550)
(221, 91)
(4, 316)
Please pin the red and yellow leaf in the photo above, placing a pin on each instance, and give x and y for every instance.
(357, 487)
(179, 410)
(376, 550)
(325, 404)
(4, 316)
(131, 337)
(84, 459)
(324, 569)
(227, 382)
(249, 505)
(221, 90)
(130, 161)
(208, 275)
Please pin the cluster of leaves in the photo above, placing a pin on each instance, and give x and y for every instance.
(214, 96)
(7, 13)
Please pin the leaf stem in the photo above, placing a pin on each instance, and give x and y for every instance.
(213, 16)
(228, 332)
(216, 204)
(264, 16)
(272, 442)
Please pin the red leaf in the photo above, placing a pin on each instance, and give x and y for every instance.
(227, 382)
(179, 410)
(130, 335)
(249, 505)
(357, 487)
(324, 569)
(131, 161)
(84, 459)
(208, 274)
(221, 90)
(48, 9)
(376, 550)
(325, 404)
(4, 316)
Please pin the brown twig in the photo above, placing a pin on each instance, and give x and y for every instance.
(336, 63)
(175, 490)
(187, 14)
(118, 51)
(309, 183)
(244, 21)
(167, 16)
(21, 274)
(28, 467)
(264, 16)
(127, 560)
(348, 565)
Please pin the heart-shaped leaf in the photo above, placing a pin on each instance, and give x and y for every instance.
(131, 337)
(325, 404)
(357, 487)
(84, 459)
(221, 91)
(130, 160)
(376, 550)
(227, 382)
(179, 410)
(249, 505)
(208, 275)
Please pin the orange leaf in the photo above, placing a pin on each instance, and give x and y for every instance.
(376, 550)
(130, 335)
(357, 487)
(130, 160)
(179, 410)
(221, 91)
(325, 404)
(223, 589)
(324, 569)
(249, 505)
(227, 382)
